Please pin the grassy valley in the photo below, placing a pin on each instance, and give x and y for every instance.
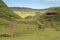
(29, 24)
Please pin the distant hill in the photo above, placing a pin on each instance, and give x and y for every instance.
(24, 9)
(30, 9)
(20, 8)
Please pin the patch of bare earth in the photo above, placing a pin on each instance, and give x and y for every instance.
(12, 25)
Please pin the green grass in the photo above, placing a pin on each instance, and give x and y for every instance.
(51, 20)
(28, 28)
(47, 34)
(6, 13)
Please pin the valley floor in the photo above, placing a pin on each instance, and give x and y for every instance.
(47, 34)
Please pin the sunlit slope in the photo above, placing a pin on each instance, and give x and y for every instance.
(25, 14)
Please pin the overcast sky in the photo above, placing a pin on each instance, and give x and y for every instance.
(36, 4)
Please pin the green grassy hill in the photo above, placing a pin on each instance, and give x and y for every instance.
(6, 13)
(51, 18)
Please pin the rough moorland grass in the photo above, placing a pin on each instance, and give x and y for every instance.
(47, 34)
(6, 13)
(27, 29)
(51, 20)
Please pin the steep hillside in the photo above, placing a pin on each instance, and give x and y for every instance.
(6, 13)
(51, 18)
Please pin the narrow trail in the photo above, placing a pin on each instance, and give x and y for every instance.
(41, 24)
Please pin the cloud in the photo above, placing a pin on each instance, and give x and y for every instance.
(48, 0)
(52, 0)
(43, 0)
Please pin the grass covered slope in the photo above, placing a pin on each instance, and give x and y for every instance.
(6, 13)
(51, 18)
(8, 25)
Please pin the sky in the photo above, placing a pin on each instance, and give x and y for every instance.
(35, 4)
